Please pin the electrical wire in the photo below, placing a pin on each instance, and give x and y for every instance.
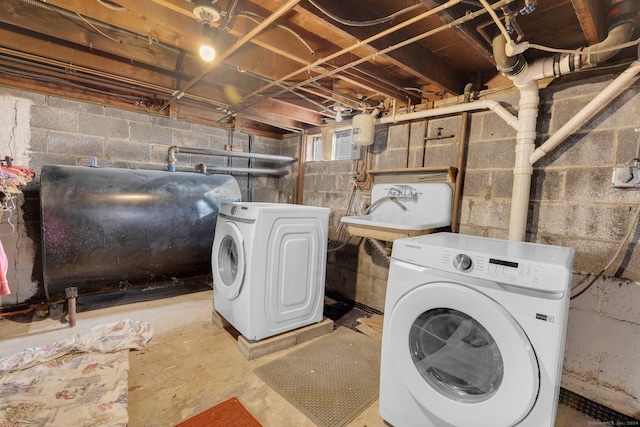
(624, 242)
(102, 33)
(582, 52)
(342, 234)
(364, 23)
(135, 100)
(252, 17)
(112, 6)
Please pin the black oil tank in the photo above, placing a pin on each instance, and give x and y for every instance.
(107, 229)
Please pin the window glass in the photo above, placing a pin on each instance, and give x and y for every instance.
(314, 148)
(339, 146)
(342, 144)
(317, 148)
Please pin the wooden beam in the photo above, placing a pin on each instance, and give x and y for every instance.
(471, 38)
(291, 42)
(242, 124)
(144, 17)
(62, 91)
(264, 115)
(423, 63)
(219, 59)
(592, 16)
(274, 107)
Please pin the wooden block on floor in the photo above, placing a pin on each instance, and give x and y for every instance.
(369, 331)
(314, 331)
(254, 349)
(219, 321)
(371, 326)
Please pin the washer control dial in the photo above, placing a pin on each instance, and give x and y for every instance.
(462, 262)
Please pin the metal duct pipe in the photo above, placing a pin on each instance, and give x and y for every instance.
(234, 169)
(174, 149)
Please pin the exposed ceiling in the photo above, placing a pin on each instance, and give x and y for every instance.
(280, 65)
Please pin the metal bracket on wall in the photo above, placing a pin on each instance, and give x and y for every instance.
(626, 177)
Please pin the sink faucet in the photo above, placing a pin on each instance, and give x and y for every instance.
(384, 199)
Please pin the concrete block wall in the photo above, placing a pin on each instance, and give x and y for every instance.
(572, 204)
(36, 130)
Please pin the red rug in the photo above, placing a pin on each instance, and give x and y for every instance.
(229, 413)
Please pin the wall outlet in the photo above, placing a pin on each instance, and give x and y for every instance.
(621, 178)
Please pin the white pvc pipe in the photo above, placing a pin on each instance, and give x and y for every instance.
(485, 104)
(523, 169)
(593, 107)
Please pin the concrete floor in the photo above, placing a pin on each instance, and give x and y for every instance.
(190, 365)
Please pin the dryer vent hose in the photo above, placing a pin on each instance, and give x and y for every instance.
(379, 247)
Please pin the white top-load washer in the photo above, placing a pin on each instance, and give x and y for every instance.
(269, 264)
(474, 332)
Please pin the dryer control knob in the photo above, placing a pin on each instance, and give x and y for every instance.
(462, 262)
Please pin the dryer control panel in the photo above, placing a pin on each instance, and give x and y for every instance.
(497, 269)
(541, 267)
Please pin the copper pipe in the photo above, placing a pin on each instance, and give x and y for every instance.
(13, 313)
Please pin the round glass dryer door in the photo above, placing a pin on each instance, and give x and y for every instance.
(456, 355)
(228, 261)
(463, 356)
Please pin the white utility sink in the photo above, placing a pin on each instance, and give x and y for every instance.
(403, 210)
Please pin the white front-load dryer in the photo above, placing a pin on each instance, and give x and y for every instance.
(269, 263)
(474, 332)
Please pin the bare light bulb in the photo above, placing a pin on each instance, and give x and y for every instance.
(338, 114)
(207, 53)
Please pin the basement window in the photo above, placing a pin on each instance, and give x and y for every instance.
(314, 148)
(339, 149)
(341, 145)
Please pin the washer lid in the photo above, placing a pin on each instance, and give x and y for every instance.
(462, 356)
(228, 261)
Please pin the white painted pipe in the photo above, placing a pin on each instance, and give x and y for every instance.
(523, 170)
(525, 76)
(485, 104)
(588, 111)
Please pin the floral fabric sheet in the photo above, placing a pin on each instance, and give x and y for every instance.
(80, 381)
